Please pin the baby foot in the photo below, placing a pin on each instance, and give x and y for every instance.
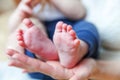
(67, 44)
(36, 41)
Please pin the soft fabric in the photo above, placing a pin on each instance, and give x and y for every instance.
(45, 15)
(105, 15)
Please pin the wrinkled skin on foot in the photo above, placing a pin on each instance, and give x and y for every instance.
(34, 40)
(68, 45)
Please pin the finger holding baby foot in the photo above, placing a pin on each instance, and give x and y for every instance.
(11, 52)
(15, 58)
(34, 65)
(26, 63)
(12, 58)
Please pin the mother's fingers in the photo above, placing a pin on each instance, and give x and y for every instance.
(25, 62)
(16, 63)
(31, 64)
(11, 52)
(13, 61)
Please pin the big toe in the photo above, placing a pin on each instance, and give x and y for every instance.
(28, 23)
(59, 26)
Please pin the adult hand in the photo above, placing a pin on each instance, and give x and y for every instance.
(52, 68)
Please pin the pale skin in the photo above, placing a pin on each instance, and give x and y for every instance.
(86, 69)
(65, 6)
(35, 41)
(24, 10)
(65, 40)
(100, 70)
(70, 49)
(52, 68)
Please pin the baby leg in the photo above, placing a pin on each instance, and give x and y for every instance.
(36, 41)
(67, 44)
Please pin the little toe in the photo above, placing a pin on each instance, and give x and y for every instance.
(77, 42)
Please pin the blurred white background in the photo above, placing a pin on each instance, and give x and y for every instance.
(6, 7)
